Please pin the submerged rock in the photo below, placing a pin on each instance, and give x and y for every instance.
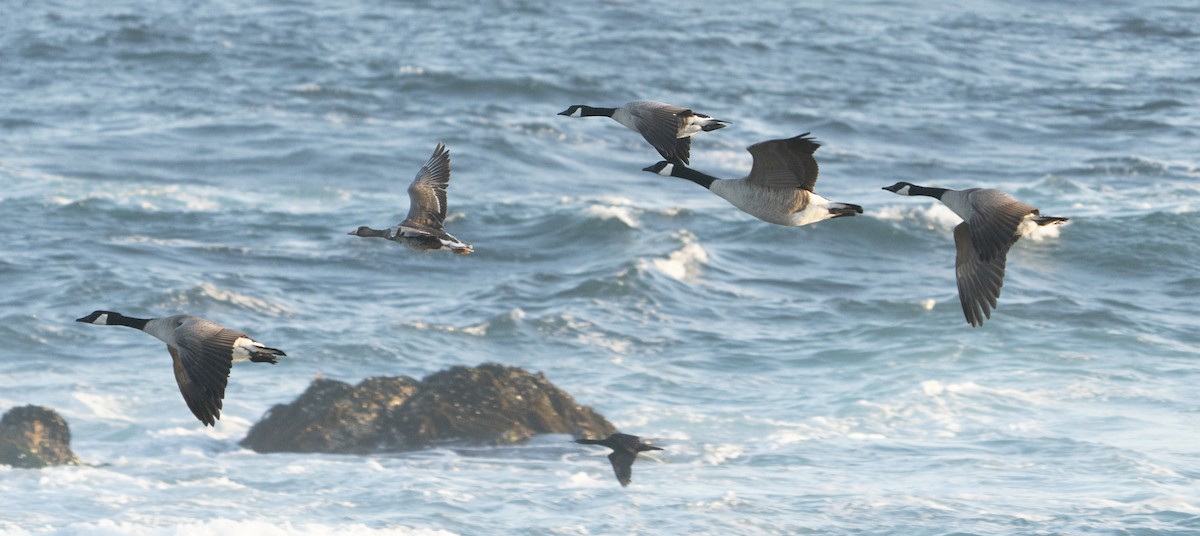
(33, 436)
(488, 404)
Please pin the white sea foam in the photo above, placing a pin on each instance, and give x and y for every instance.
(586, 333)
(213, 484)
(937, 388)
(1137, 165)
(931, 216)
(12, 529)
(229, 426)
(450, 497)
(609, 200)
(212, 292)
(337, 118)
(607, 208)
(622, 214)
(107, 406)
(600, 341)
(148, 198)
(684, 263)
(176, 243)
(587, 480)
(729, 501)
(479, 330)
(324, 200)
(934, 408)
(736, 163)
(1031, 518)
(718, 454)
(820, 427)
(908, 502)
(225, 527)
(932, 387)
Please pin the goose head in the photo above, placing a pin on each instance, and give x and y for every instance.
(663, 168)
(900, 188)
(100, 318)
(576, 110)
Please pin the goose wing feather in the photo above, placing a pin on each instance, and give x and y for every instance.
(203, 357)
(979, 279)
(785, 163)
(427, 192)
(660, 123)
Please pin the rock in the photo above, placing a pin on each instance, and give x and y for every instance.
(33, 437)
(488, 404)
(331, 416)
(491, 404)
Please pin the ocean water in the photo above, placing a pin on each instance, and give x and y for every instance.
(210, 157)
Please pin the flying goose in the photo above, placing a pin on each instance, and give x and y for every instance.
(668, 128)
(422, 228)
(625, 449)
(992, 223)
(779, 188)
(203, 352)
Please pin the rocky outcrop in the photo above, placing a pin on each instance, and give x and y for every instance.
(33, 436)
(488, 404)
(331, 416)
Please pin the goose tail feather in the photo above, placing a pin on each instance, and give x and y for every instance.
(1049, 220)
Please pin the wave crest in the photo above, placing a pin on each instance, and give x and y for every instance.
(206, 291)
(683, 264)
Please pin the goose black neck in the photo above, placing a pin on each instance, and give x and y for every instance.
(690, 174)
(590, 111)
(116, 319)
(931, 192)
(369, 232)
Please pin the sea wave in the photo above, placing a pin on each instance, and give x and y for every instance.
(145, 198)
(108, 406)
(929, 215)
(507, 323)
(685, 263)
(219, 527)
(186, 157)
(206, 293)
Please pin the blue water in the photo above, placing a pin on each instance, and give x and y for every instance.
(210, 157)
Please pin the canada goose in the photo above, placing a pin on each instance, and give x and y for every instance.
(779, 188)
(203, 352)
(992, 223)
(422, 228)
(668, 128)
(625, 449)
